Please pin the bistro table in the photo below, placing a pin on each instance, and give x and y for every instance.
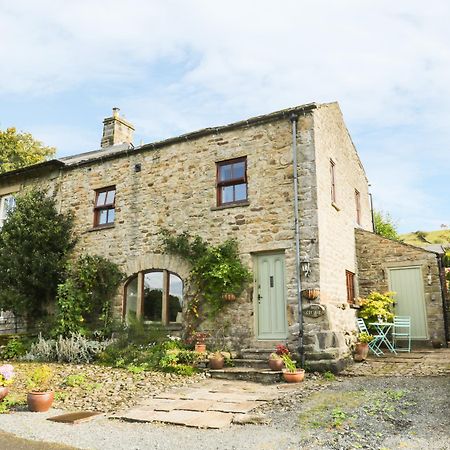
(383, 329)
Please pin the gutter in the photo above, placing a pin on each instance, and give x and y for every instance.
(301, 350)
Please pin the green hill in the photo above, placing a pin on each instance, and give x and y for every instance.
(424, 238)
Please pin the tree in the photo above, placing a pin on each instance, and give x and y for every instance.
(385, 226)
(21, 149)
(34, 245)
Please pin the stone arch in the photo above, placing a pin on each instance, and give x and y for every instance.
(150, 261)
(154, 262)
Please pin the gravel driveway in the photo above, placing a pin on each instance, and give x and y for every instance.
(351, 412)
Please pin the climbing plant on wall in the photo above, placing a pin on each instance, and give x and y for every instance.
(216, 270)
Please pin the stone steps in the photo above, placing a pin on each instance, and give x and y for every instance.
(255, 375)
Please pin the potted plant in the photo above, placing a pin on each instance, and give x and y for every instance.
(291, 373)
(216, 361)
(362, 346)
(199, 338)
(6, 378)
(40, 397)
(275, 358)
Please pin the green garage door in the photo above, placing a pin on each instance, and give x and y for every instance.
(407, 283)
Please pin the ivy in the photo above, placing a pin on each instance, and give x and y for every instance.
(215, 271)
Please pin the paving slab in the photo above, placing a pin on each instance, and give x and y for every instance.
(157, 404)
(138, 415)
(242, 407)
(208, 419)
(195, 405)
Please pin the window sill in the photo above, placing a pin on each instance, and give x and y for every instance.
(102, 227)
(230, 205)
(336, 207)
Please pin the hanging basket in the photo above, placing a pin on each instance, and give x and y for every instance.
(311, 294)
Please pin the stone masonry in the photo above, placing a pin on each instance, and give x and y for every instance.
(172, 184)
(377, 254)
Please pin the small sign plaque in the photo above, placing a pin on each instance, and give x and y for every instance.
(314, 311)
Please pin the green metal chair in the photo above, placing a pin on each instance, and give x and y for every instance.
(401, 332)
(374, 344)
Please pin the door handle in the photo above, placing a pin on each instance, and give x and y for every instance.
(259, 298)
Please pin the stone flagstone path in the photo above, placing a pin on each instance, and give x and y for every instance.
(209, 404)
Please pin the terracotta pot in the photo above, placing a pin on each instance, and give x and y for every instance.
(361, 351)
(3, 392)
(294, 377)
(229, 297)
(216, 362)
(311, 294)
(40, 401)
(200, 348)
(276, 364)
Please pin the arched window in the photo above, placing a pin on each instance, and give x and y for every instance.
(155, 296)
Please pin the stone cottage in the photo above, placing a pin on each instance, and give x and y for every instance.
(288, 186)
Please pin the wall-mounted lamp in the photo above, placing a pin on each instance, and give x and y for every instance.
(429, 276)
(305, 267)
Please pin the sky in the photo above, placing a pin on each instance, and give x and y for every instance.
(178, 66)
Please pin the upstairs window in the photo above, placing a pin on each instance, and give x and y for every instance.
(358, 206)
(232, 181)
(104, 209)
(7, 204)
(333, 181)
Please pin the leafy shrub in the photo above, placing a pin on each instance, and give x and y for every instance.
(84, 300)
(377, 306)
(15, 348)
(39, 380)
(75, 380)
(74, 349)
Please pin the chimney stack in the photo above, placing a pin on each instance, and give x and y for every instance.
(116, 130)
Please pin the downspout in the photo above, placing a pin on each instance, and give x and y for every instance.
(301, 349)
(371, 211)
(444, 297)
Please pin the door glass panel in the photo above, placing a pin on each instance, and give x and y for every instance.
(175, 298)
(153, 290)
(131, 297)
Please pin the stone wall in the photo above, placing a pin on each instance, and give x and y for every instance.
(328, 337)
(175, 189)
(377, 254)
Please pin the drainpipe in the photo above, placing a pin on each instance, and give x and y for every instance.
(444, 297)
(301, 349)
(371, 211)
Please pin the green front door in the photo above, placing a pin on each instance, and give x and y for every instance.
(407, 283)
(270, 297)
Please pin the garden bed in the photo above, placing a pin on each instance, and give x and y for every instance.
(97, 388)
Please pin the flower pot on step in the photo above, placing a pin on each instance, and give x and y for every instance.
(276, 364)
(361, 351)
(294, 377)
(216, 362)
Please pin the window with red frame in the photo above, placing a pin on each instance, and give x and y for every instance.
(105, 206)
(350, 277)
(232, 181)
